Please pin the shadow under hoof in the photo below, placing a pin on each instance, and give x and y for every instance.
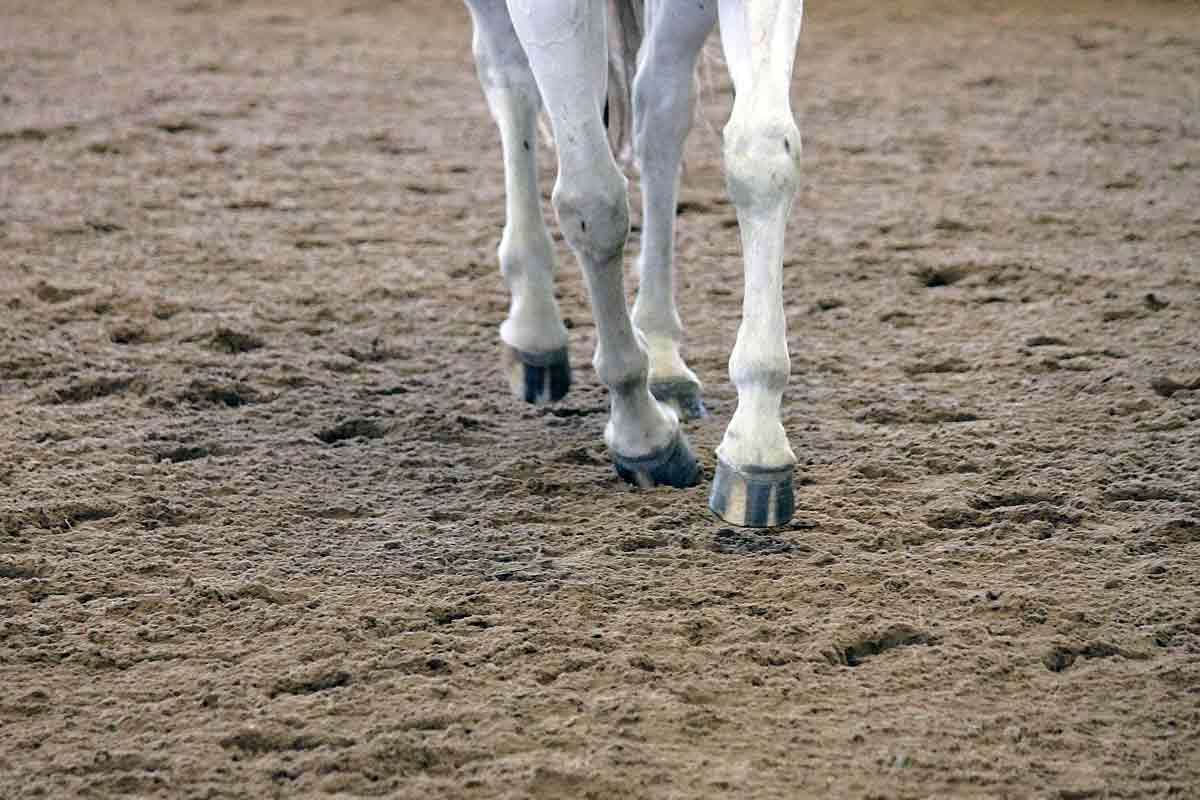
(674, 465)
(537, 378)
(683, 396)
(752, 498)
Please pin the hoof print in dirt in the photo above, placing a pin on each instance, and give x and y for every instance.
(219, 393)
(127, 335)
(311, 684)
(89, 389)
(890, 638)
(1062, 657)
(255, 742)
(1165, 386)
(225, 340)
(352, 429)
(49, 293)
(674, 465)
(183, 453)
(933, 277)
(747, 543)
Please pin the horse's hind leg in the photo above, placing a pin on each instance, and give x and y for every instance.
(664, 103)
(753, 484)
(534, 338)
(565, 41)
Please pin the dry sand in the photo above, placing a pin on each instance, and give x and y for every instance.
(271, 526)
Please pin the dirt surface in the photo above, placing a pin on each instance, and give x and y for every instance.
(271, 526)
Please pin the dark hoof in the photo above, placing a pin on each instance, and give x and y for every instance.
(538, 377)
(752, 498)
(683, 396)
(674, 465)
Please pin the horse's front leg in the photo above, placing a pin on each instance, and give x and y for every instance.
(565, 41)
(533, 336)
(753, 484)
(664, 103)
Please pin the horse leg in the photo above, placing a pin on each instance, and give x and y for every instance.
(566, 43)
(664, 104)
(753, 484)
(534, 340)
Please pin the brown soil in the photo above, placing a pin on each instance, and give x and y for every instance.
(271, 526)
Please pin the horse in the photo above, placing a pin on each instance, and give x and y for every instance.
(566, 57)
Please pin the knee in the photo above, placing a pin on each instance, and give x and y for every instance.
(762, 157)
(593, 212)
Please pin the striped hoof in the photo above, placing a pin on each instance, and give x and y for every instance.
(674, 465)
(537, 377)
(752, 498)
(683, 396)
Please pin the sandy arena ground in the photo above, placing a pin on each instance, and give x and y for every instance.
(271, 525)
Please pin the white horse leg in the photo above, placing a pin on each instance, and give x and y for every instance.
(753, 484)
(534, 338)
(664, 103)
(566, 43)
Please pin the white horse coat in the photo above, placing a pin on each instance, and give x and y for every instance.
(554, 54)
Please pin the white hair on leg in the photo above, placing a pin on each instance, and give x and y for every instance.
(565, 41)
(533, 333)
(664, 103)
(762, 149)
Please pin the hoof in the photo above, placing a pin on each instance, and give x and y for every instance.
(538, 377)
(674, 465)
(683, 396)
(752, 498)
